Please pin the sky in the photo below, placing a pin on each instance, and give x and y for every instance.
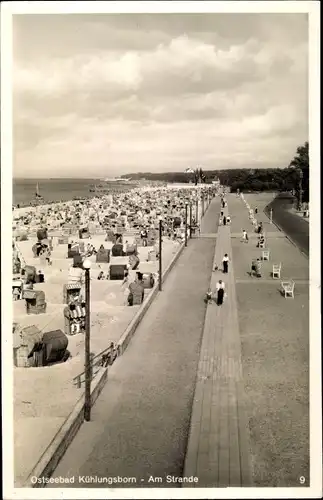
(111, 94)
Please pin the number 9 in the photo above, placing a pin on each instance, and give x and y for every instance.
(302, 479)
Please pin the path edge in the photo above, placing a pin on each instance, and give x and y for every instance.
(65, 435)
(266, 211)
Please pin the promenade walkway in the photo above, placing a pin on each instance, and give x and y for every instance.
(218, 448)
(140, 422)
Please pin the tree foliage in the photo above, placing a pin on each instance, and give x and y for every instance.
(300, 165)
(268, 179)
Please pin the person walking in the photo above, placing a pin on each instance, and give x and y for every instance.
(220, 292)
(245, 238)
(225, 263)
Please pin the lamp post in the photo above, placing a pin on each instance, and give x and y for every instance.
(87, 403)
(191, 220)
(271, 216)
(202, 204)
(160, 252)
(186, 205)
(197, 211)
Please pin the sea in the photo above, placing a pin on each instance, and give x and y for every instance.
(55, 190)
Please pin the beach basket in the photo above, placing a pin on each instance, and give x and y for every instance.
(148, 280)
(152, 256)
(117, 250)
(30, 274)
(35, 301)
(134, 262)
(131, 249)
(42, 234)
(103, 256)
(117, 271)
(78, 261)
(137, 294)
(70, 291)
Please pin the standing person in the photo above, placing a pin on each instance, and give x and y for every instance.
(224, 220)
(125, 287)
(256, 210)
(245, 238)
(253, 267)
(144, 236)
(225, 262)
(220, 292)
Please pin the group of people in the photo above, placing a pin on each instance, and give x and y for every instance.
(256, 263)
(219, 294)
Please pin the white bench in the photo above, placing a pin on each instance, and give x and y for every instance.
(276, 270)
(265, 254)
(288, 288)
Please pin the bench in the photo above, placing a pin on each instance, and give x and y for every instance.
(276, 270)
(288, 288)
(265, 254)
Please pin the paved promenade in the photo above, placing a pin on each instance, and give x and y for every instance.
(274, 334)
(218, 448)
(140, 422)
(217, 392)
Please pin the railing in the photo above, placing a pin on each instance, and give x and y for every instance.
(102, 360)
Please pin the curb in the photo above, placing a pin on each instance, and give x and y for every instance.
(130, 330)
(286, 236)
(49, 460)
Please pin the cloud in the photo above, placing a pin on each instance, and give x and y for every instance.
(226, 97)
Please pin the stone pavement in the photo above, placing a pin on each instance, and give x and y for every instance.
(218, 449)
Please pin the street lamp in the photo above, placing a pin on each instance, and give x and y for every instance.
(186, 206)
(202, 204)
(197, 211)
(160, 252)
(191, 219)
(87, 361)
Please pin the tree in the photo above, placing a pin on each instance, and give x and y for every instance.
(299, 169)
(199, 176)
